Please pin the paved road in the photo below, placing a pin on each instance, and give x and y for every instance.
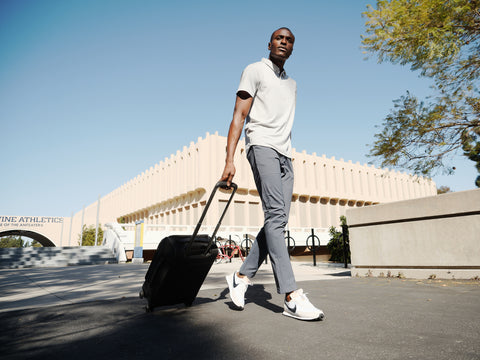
(93, 312)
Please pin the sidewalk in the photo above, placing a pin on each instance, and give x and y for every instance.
(93, 312)
(40, 287)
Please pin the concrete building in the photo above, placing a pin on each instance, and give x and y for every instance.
(170, 195)
(174, 191)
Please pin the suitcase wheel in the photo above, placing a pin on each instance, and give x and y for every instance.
(148, 309)
(188, 304)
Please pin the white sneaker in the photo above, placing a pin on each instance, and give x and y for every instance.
(237, 287)
(299, 307)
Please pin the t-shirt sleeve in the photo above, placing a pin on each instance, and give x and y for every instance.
(249, 80)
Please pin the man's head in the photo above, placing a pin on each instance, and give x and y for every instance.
(281, 44)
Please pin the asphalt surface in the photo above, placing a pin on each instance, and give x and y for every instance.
(94, 312)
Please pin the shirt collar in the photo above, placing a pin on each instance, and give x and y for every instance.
(275, 68)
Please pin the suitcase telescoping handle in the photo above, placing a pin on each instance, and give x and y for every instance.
(220, 184)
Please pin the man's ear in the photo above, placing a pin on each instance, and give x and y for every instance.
(269, 46)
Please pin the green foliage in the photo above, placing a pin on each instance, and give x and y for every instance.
(16, 242)
(35, 243)
(12, 242)
(441, 39)
(428, 34)
(443, 190)
(471, 149)
(335, 245)
(88, 236)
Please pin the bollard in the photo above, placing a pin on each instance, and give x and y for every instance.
(245, 245)
(313, 236)
(345, 242)
(288, 243)
(313, 248)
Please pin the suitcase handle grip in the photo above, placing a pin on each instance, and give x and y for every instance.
(223, 185)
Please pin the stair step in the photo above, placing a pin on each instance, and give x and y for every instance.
(55, 256)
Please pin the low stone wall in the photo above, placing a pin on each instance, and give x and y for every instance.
(432, 237)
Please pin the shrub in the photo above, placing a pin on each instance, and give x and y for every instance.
(335, 245)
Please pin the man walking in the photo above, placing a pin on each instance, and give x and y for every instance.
(265, 102)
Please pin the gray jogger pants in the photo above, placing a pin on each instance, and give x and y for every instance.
(273, 174)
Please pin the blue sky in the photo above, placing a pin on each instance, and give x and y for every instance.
(93, 92)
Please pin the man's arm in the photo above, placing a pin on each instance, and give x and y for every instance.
(243, 103)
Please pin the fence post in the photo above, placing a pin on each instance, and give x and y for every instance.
(98, 216)
(81, 227)
(70, 235)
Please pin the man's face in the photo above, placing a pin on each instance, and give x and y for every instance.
(281, 45)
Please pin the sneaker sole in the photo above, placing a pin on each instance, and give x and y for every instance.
(319, 318)
(230, 287)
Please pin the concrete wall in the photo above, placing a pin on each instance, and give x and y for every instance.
(437, 237)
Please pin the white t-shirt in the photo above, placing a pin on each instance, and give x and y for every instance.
(270, 120)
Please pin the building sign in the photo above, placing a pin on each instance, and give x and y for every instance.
(29, 221)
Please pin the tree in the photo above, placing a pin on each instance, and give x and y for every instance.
(12, 242)
(88, 236)
(441, 39)
(35, 243)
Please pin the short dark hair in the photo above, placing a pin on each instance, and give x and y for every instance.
(282, 28)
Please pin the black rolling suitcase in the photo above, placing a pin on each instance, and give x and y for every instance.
(181, 263)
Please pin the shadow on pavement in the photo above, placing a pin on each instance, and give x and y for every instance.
(366, 318)
(255, 294)
(122, 329)
(258, 295)
(341, 274)
(118, 329)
